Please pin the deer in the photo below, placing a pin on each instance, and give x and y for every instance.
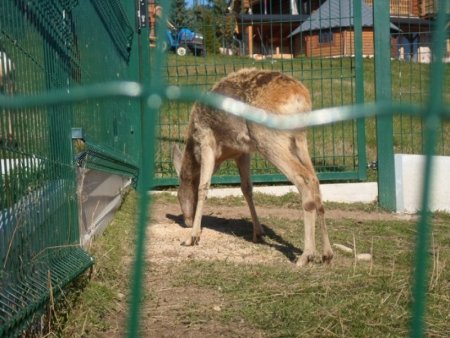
(214, 136)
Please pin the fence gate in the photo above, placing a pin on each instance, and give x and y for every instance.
(323, 47)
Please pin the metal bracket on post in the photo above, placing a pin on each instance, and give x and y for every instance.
(141, 15)
(79, 144)
(78, 134)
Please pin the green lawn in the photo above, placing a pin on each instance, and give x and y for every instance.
(332, 83)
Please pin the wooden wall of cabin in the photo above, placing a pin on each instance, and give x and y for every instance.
(342, 45)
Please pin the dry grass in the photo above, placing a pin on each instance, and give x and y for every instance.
(227, 286)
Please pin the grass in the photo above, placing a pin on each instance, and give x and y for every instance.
(97, 303)
(346, 299)
(283, 303)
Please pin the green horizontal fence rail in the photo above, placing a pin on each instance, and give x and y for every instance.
(57, 46)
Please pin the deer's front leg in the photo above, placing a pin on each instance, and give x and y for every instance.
(310, 235)
(206, 171)
(243, 163)
(327, 251)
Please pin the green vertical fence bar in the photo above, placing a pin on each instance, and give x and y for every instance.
(433, 118)
(385, 143)
(148, 120)
(359, 89)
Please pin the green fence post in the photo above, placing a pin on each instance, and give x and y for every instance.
(432, 118)
(383, 93)
(145, 172)
(359, 89)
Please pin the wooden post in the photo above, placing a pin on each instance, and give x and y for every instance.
(250, 39)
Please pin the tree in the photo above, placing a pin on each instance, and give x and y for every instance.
(225, 22)
(216, 25)
(179, 14)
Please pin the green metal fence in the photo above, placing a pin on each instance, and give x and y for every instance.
(56, 90)
(48, 46)
(331, 51)
(411, 78)
(273, 35)
(404, 77)
(431, 109)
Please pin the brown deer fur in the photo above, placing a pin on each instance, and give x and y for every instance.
(215, 136)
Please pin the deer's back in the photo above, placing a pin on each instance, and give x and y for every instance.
(269, 90)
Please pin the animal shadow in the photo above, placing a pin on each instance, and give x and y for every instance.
(244, 229)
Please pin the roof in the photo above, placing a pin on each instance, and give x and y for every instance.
(334, 14)
(411, 20)
(270, 18)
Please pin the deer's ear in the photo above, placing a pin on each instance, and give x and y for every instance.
(177, 158)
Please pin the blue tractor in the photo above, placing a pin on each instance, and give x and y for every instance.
(183, 41)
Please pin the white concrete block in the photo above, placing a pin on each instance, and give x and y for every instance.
(409, 175)
(341, 192)
(366, 192)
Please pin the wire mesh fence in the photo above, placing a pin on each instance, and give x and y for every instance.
(413, 50)
(56, 46)
(423, 80)
(271, 35)
(318, 43)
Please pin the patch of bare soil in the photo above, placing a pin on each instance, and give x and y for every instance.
(226, 236)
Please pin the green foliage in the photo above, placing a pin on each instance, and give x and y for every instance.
(216, 25)
(179, 14)
(208, 29)
(21, 180)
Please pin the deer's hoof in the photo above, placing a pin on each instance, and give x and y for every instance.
(327, 257)
(304, 259)
(258, 234)
(258, 238)
(191, 241)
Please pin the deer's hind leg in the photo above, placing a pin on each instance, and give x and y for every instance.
(243, 163)
(300, 149)
(283, 152)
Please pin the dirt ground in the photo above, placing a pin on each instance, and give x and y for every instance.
(226, 236)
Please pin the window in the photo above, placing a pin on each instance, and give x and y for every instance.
(325, 36)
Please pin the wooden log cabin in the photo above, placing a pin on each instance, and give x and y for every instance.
(329, 31)
(324, 28)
